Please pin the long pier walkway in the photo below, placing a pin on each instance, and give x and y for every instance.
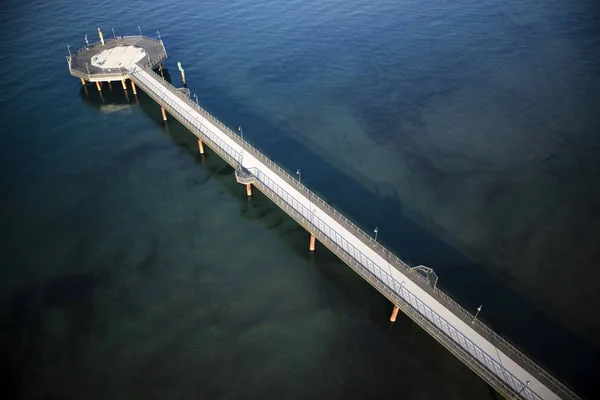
(411, 289)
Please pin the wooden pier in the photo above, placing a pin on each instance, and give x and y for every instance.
(413, 290)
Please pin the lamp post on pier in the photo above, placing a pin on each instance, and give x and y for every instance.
(140, 29)
(299, 173)
(241, 132)
(477, 313)
(242, 136)
(196, 97)
(376, 232)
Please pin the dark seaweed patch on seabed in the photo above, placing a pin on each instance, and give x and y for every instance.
(23, 328)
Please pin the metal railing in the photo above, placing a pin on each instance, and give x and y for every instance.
(471, 354)
(123, 72)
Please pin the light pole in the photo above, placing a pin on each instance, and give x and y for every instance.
(69, 50)
(242, 135)
(140, 29)
(299, 176)
(158, 33)
(376, 232)
(241, 132)
(477, 313)
(88, 69)
(196, 97)
(86, 41)
(528, 383)
(114, 35)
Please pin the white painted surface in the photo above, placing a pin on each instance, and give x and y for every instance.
(462, 333)
(118, 57)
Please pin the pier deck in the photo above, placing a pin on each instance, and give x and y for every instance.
(110, 61)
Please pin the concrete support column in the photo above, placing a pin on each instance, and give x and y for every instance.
(160, 67)
(99, 86)
(394, 314)
(312, 242)
(82, 81)
(200, 146)
(124, 84)
(164, 114)
(133, 87)
(249, 189)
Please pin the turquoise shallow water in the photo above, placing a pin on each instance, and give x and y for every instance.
(131, 267)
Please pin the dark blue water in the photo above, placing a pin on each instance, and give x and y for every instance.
(466, 131)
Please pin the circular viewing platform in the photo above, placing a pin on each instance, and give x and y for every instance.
(110, 61)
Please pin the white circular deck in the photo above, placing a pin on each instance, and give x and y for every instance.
(118, 57)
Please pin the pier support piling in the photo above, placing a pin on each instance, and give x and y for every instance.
(160, 67)
(394, 314)
(200, 146)
(249, 189)
(82, 81)
(124, 84)
(99, 86)
(133, 87)
(164, 113)
(312, 242)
